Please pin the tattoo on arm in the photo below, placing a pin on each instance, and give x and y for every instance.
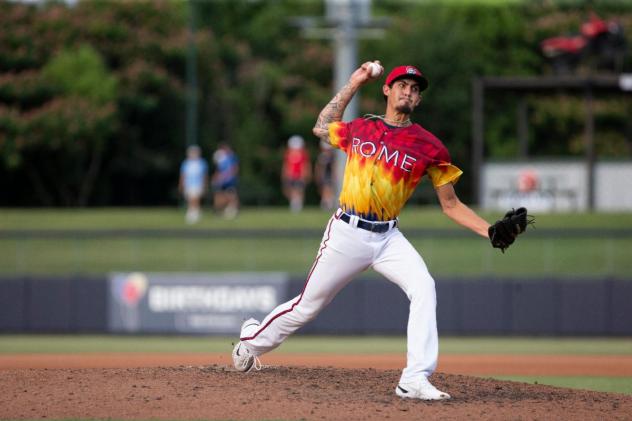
(334, 111)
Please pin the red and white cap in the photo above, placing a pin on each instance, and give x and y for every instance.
(411, 72)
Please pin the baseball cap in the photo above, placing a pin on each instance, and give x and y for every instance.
(295, 142)
(411, 72)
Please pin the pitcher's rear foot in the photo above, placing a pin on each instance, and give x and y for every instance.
(422, 389)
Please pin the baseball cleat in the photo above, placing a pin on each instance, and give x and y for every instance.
(243, 359)
(422, 390)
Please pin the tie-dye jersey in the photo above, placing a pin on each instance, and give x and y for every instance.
(385, 164)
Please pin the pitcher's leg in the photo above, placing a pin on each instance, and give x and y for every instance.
(401, 263)
(335, 266)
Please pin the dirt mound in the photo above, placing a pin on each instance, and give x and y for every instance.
(286, 393)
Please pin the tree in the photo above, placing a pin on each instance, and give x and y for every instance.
(89, 97)
(94, 94)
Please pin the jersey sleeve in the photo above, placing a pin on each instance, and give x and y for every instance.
(442, 171)
(339, 135)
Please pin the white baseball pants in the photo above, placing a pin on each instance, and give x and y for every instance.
(345, 251)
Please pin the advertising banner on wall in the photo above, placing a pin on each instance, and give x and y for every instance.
(540, 187)
(613, 186)
(206, 303)
(556, 186)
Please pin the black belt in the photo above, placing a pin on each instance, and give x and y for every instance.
(369, 226)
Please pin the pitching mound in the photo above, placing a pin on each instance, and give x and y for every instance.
(285, 393)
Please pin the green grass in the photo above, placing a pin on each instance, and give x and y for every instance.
(463, 255)
(266, 217)
(10, 343)
(536, 346)
(600, 384)
(467, 257)
(156, 218)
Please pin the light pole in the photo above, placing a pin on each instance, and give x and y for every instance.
(192, 88)
(345, 22)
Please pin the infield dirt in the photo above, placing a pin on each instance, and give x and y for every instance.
(217, 392)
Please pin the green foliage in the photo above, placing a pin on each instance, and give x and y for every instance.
(81, 73)
(267, 75)
(72, 80)
(57, 134)
(259, 81)
(453, 42)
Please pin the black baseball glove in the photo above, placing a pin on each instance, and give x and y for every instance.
(503, 233)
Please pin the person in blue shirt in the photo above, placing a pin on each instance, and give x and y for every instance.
(224, 181)
(193, 182)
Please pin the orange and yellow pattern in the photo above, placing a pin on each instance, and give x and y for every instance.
(385, 164)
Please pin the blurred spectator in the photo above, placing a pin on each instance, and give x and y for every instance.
(224, 181)
(193, 182)
(296, 172)
(325, 177)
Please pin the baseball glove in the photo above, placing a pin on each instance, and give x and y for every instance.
(503, 233)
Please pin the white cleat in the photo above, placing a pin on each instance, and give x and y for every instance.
(243, 359)
(422, 390)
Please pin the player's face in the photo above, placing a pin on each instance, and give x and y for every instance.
(404, 95)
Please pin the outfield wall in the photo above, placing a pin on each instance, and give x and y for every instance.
(591, 307)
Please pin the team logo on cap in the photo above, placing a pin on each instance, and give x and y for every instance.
(411, 70)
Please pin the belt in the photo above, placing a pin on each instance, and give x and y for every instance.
(370, 226)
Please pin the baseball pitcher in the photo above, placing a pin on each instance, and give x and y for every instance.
(387, 156)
